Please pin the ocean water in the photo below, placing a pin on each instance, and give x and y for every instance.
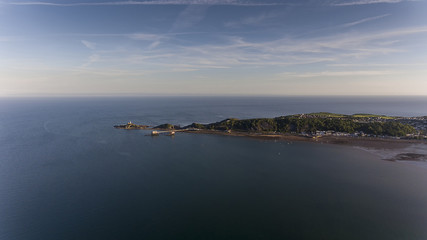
(66, 173)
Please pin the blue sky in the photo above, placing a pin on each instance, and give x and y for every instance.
(213, 47)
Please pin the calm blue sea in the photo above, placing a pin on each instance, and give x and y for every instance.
(66, 173)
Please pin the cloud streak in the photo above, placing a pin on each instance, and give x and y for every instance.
(366, 2)
(88, 44)
(237, 52)
(141, 36)
(340, 74)
(189, 17)
(253, 20)
(164, 2)
(364, 20)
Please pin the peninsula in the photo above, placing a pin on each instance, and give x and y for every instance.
(389, 134)
(320, 124)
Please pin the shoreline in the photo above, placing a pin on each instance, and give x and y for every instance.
(396, 150)
(390, 138)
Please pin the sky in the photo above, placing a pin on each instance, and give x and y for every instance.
(213, 47)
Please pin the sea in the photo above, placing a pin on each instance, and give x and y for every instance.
(66, 173)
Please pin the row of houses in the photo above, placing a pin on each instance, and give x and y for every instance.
(358, 134)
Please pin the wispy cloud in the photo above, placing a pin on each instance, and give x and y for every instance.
(92, 59)
(160, 2)
(364, 20)
(230, 52)
(347, 25)
(254, 20)
(90, 45)
(189, 17)
(346, 65)
(154, 44)
(239, 52)
(365, 2)
(143, 36)
(340, 74)
(134, 36)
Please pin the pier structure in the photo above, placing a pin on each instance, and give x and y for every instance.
(157, 133)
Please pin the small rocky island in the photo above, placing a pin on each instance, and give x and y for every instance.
(131, 126)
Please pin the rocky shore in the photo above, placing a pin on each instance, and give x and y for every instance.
(132, 126)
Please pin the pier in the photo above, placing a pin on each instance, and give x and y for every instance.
(168, 133)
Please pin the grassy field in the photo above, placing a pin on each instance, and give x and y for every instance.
(327, 114)
(365, 115)
(357, 115)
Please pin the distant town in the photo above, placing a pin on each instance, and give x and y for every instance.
(419, 125)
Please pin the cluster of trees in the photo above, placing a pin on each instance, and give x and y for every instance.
(167, 126)
(289, 124)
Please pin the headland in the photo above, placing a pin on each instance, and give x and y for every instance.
(390, 137)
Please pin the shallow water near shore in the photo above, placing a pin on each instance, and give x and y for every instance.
(66, 173)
